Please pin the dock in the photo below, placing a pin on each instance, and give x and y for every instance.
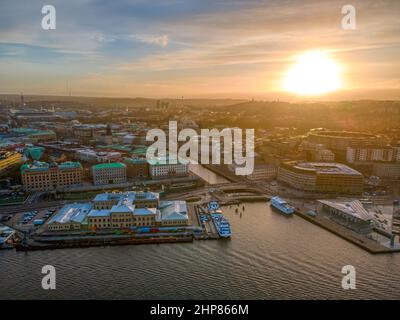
(33, 245)
(49, 241)
(209, 231)
(351, 236)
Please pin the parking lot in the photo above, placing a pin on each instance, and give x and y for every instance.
(29, 220)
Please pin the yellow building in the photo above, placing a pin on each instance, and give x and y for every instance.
(8, 160)
(321, 177)
(41, 176)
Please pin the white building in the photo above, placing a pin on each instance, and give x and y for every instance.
(70, 217)
(160, 168)
(174, 213)
(364, 154)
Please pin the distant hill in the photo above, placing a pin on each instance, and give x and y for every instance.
(106, 101)
(347, 115)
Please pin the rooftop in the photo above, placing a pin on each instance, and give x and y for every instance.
(162, 161)
(352, 208)
(323, 167)
(144, 211)
(99, 213)
(111, 165)
(74, 212)
(107, 196)
(135, 161)
(130, 196)
(69, 165)
(37, 166)
(174, 210)
(7, 154)
(116, 147)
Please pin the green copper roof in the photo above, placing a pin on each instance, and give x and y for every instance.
(35, 152)
(108, 165)
(139, 151)
(44, 166)
(36, 166)
(42, 132)
(69, 165)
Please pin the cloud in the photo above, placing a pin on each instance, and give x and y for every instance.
(211, 44)
(151, 39)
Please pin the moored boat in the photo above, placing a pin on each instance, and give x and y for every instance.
(222, 224)
(282, 206)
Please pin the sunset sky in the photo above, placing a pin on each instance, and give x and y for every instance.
(207, 48)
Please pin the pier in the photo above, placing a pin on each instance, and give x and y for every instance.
(345, 233)
(100, 242)
(196, 231)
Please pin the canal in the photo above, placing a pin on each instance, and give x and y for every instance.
(206, 174)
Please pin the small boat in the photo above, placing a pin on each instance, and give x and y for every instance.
(282, 206)
(222, 224)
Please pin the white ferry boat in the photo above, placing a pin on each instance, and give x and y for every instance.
(282, 206)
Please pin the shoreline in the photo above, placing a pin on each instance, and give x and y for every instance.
(357, 239)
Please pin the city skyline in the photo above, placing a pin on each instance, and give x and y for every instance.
(238, 49)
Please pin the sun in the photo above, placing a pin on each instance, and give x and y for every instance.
(314, 73)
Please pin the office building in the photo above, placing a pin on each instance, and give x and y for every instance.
(109, 173)
(42, 176)
(369, 154)
(162, 168)
(328, 177)
(137, 168)
(339, 141)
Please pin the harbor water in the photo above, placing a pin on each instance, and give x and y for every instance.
(270, 256)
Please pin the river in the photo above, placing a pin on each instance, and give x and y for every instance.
(206, 174)
(270, 256)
